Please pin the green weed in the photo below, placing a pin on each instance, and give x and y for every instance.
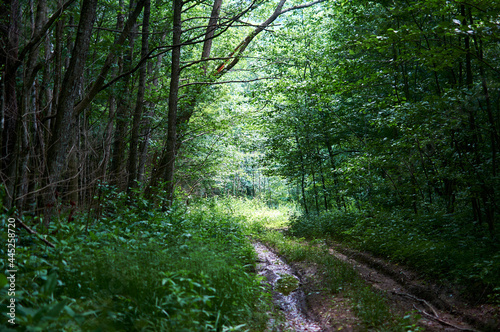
(136, 268)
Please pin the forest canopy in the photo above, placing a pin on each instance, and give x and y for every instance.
(376, 122)
(373, 103)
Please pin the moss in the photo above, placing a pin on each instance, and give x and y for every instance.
(286, 284)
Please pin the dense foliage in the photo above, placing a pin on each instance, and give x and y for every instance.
(381, 119)
(389, 107)
(139, 269)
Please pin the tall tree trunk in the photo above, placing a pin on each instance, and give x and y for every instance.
(10, 12)
(488, 188)
(120, 114)
(172, 102)
(303, 175)
(166, 165)
(323, 184)
(139, 107)
(315, 188)
(62, 137)
(209, 34)
(108, 139)
(146, 129)
(28, 105)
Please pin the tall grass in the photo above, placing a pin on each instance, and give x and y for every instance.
(259, 216)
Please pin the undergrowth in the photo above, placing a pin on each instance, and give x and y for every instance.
(447, 247)
(137, 268)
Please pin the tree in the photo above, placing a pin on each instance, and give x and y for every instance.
(167, 162)
(399, 95)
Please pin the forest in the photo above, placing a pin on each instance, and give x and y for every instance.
(148, 145)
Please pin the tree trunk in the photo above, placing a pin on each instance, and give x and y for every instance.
(323, 184)
(108, 138)
(139, 107)
(316, 199)
(172, 103)
(209, 34)
(10, 114)
(146, 130)
(28, 106)
(120, 114)
(62, 137)
(303, 175)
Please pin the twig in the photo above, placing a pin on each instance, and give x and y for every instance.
(226, 82)
(420, 300)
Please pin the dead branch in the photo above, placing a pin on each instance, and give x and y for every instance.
(26, 227)
(419, 300)
(444, 322)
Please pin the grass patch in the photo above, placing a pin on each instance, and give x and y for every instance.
(286, 284)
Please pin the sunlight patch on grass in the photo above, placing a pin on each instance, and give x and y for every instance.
(258, 214)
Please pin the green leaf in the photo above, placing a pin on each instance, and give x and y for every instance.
(3, 281)
(50, 285)
(55, 309)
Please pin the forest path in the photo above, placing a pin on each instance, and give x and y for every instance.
(440, 307)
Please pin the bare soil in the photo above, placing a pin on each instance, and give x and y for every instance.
(441, 308)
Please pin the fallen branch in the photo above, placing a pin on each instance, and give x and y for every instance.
(444, 322)
(26, 227)
(420, 300)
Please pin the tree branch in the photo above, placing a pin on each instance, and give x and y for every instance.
(38, 37)
(96, 87)
(225, 82)
(302, 6)
(224, 67)
(26, 227)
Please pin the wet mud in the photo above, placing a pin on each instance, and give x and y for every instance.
(286, 290)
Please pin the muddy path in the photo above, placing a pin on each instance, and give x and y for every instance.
(285, 287)
(307, 308)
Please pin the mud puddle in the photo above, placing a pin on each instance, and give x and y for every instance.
(286, 290)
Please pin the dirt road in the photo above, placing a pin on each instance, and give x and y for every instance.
(440, 307)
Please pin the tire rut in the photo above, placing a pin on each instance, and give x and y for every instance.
(441, 307)
(289, 298)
